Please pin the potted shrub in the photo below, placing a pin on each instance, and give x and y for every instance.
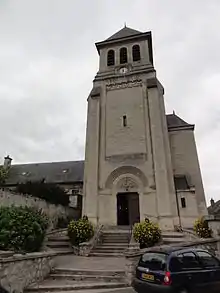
(80, 231)
(146, 233)
(202, 229)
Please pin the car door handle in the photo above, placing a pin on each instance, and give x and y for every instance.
(189, 277)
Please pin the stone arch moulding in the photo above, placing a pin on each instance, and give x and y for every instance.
(127, 183)
(133, 174)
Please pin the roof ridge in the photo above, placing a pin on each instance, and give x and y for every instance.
(122, 33)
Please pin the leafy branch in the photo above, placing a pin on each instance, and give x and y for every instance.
(4, 172)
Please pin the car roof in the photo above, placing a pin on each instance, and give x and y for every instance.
(173, 249)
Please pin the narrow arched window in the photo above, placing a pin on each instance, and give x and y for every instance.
(123, 55)
(111, 58)
(136, 53)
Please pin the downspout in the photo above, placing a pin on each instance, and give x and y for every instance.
(178, 208)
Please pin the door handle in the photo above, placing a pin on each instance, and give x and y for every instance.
(189, 277)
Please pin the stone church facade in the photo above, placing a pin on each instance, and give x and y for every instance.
(139, 162)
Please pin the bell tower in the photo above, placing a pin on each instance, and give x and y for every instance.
(128, 173)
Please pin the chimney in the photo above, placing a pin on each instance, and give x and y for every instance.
(212, 202)
(7, 162)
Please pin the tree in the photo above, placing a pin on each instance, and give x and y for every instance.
(48, 191)
(3, 175)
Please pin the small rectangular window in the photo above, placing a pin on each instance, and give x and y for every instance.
(183, 202)
(124, 120)
(181, 183)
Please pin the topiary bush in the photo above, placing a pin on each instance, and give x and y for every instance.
(80, 231)
(22, 229)
(146, 233)
(202, 229)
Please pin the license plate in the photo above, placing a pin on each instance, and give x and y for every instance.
(147, 277)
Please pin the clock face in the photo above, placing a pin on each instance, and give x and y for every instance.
(123, 70)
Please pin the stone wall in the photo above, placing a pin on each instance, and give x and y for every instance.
(19, 271)
(54, 212)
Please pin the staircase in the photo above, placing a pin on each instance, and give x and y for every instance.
(70, 280)
(60, 244)
(174, 238)
(114, 242)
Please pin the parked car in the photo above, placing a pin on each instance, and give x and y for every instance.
(177, 270)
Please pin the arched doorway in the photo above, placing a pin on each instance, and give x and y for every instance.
(128, 212)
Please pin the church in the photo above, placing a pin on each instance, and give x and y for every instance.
(139, 162)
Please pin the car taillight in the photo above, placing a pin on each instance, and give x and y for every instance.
(167, 279)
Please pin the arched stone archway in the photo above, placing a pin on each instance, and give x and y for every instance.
(126, 190)
(128, 172)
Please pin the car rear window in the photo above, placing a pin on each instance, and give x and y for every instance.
(154, 261)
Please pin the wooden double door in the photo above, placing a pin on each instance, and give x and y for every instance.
(128, 211)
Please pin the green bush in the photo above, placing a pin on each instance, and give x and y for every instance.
(202, 229)
(3, 175)
(50, 192)
(80, 231)
(22, 229)
(147, 233)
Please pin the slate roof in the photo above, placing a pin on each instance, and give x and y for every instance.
(55, 172)
(123, 33)
(69, 171)
(214, 209)
(174, 121)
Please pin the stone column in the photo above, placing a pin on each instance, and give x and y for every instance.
(159, 156)
(90, 199)
(170, 177)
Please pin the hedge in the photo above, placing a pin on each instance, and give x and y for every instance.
(22, 229)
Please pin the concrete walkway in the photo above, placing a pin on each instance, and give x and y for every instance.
(93, 263)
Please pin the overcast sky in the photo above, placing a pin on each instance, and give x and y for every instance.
(48, 61)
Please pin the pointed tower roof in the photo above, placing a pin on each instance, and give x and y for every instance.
(123, 33)
(175, 122)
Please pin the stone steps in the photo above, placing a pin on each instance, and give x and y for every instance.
(116, 241)
(58, 244)
(79, 272)
(114, 235)
(62, 250)
(107, 246)
(91, 278)
(174, 240)
(104, 254)
(58, 238)
(68, 280)
(108, 250)
(172, 235)
(120, 245)
(60, 287)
